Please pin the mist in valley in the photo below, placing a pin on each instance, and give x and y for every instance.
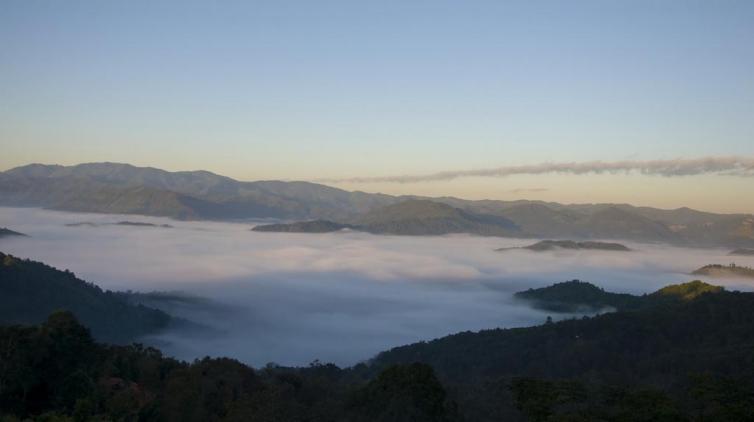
(339, 297)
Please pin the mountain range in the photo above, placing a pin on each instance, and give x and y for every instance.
(126, 189)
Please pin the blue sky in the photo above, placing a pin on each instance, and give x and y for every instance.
(307, 90)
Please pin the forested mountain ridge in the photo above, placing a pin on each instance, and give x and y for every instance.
(713, 330)
(56, 372)
(5, 232)
(551, 245)
(30, 291)
(122, 188)
(725, 271)
(686, 362)
(314, 226)
(578, 296)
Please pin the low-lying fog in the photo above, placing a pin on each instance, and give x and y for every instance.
(340, 297)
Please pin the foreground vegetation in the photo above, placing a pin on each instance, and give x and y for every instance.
(683, 353)
(56, 372)
(685, 358)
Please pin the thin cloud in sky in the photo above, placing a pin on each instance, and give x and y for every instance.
(528, 190)
(728, 166)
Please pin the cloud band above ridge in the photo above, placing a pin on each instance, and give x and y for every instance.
(728, 166)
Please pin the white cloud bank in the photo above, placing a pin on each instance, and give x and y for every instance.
(342, 297)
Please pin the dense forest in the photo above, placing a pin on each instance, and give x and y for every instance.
(577, 296)
(552, 245)
(685, 355)
(30, 291)
(731, 270)
(5, 232)
(56, 372)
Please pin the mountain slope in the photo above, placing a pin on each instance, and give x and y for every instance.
(122, 188)
(424, 217)
(552, 245)
(725, 271)
(537, 219)
(30, 291)
(617, 223)
(4, 232)
(710, 332)
(316, 226)
(577, 296)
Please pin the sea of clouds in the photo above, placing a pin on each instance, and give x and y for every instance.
(339, 297)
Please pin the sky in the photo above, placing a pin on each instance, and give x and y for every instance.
(349, 89)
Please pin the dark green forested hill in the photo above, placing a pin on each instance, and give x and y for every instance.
(30, 291)
(577, 296)
(725, 271)
(56, 372)
(655, 344)
(315, 226)
(4, 232)
(679, 352)
(682, 292)
(551, 245)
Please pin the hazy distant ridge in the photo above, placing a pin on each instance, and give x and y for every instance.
(122, 188)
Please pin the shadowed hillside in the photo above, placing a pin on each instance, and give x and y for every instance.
(685, 360)
(578, 296)
(725, 271)
(316, 226)
(9, 233)
(553, 245)
(30, 291)
(709, 330)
